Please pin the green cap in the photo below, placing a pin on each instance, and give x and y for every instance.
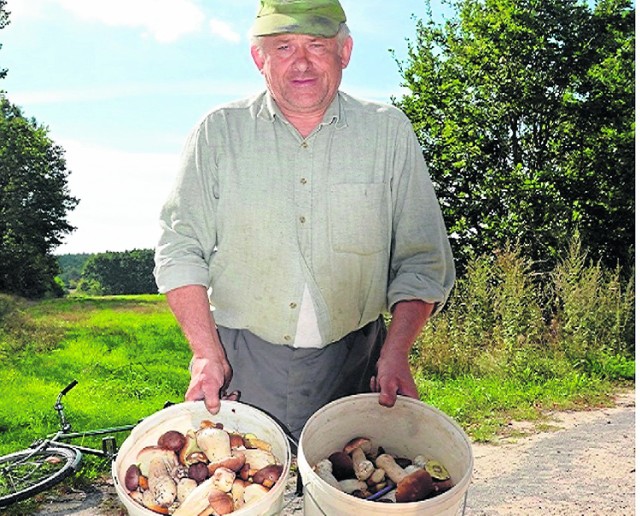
(312, 17)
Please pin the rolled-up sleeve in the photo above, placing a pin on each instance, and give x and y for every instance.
(422, 264)
(188, 218)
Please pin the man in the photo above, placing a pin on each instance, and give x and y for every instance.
(301, 215)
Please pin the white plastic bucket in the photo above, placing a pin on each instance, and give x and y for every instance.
(408, 429)
(184, 416)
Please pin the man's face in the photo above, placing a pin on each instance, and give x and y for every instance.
(303, 72)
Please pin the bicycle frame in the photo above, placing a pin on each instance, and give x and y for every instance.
(66, 433)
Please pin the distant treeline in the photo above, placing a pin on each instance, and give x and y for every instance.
(110, 273)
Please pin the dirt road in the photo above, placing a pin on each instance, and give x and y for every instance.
(584, 464)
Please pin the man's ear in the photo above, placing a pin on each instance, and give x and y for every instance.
(258, 57)
(345, 54)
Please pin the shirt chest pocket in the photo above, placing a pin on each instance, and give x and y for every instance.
(359, 218)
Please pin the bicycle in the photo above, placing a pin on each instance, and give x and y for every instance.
(50, 460)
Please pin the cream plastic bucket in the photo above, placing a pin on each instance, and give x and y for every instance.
(407, 429)
(183, 416)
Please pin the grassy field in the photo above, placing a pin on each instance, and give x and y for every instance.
(130, 357)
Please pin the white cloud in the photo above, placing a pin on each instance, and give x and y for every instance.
(224, 30)
(120, 195)
(165, 20)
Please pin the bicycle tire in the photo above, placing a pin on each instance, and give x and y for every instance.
(28, 472)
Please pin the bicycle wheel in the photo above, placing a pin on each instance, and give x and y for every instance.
(28, 472)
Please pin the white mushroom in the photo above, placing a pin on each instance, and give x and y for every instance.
(161, 485)
(253, 493)
(197, 500)
(147, 454)
(223, 479)
(185, 486)
(410, 487)
(362, 467)
(351, 485)
(324, 470)
(215, 443)
(258, 459)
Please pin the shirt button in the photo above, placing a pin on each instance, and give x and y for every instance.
(287, 338)
(304, 180)
(303, 220)
(304, 145)
(293, 305)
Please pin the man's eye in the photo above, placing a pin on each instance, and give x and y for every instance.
(283, 47)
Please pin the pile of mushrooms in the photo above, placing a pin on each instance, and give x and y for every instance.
(362, 471)
(202, 472)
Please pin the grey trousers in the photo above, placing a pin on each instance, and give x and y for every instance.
(290, 384)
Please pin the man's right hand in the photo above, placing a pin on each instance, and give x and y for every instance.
(209, 381)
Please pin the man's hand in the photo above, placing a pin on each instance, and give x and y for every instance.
(209, 381)
(393, 375)
(393, 378)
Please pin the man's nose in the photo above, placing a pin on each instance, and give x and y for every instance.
(301, 61)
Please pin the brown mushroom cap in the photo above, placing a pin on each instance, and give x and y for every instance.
(132, 477)
(172, 440)
(342, 465)
(414, 487)
(268, 475)
(358, 442)
(222, 503)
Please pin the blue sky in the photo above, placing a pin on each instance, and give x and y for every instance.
(121, 83)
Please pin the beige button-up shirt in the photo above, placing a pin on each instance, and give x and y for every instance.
(258, 212)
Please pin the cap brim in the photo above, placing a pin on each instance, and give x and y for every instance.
(310, 24)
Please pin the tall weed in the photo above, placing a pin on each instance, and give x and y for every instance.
(505, 319)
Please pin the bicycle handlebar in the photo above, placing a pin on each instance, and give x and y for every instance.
(68, 388)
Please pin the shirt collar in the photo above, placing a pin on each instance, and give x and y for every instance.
(336, 112)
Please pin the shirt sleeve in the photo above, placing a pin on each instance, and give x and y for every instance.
(188, 219)
(422, 264)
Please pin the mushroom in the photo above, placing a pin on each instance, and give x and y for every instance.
(258, 459)
(198, 471)
(185, 486)
(342, 465)
(350, 485)
(253, 493)
(268, 475)
(358, 442)
(362, 467)
(196, 501)
(132, 477)
(150, 503)
(214, 442)
(161, 485)
(147, 454)
(252, 441)
(172, 440)
(190, 453)
(237, 493)
(223, 479)
(221, 502)
(234, 462)
(411, 487)
(324, 470)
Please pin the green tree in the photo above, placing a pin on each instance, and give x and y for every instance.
(525, 110)
(4, 21)
(34, 201)
(129, 272)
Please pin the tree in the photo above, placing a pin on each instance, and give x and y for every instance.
(525, 111)
(129, 272)
(4, 21)
(34, 201)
